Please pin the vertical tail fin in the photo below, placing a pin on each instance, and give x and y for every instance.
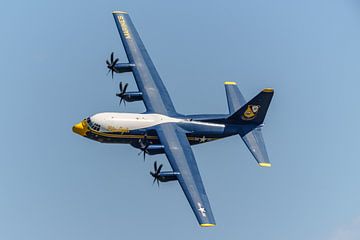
(254, 111)
(250, 115)
(234, 97)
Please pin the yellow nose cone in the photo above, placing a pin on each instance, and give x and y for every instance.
(80, 129)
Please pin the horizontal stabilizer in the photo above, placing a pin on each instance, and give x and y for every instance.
(255, 142)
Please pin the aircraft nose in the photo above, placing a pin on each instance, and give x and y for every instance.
(79, 129)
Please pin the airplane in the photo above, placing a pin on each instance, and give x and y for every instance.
(162, 130)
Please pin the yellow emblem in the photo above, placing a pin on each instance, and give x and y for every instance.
(250, 112)
(120, 129)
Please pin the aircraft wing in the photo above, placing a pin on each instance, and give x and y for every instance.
(155, 96)
(182, 161)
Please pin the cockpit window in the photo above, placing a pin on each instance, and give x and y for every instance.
(96, 127)
(92, 125)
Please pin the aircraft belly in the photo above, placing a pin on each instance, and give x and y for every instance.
(133, 137)
(128, 137)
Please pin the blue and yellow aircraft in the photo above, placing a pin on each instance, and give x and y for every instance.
(162, 130)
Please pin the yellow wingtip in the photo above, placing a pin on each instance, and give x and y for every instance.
(230, 83)
(207, 225)
(268, 90)
(119, 12)
(265, 164)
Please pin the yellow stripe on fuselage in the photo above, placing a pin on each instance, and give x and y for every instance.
(138, 136)
(120, 135)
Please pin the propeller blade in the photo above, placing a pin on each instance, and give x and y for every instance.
(159, 170)
(122, 92)
(111, 64)
(121, 87)
(125, 87)
(145, 137)
(156, 173)
(141, 144)
(144, 144)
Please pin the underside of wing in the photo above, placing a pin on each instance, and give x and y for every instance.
(182, 161)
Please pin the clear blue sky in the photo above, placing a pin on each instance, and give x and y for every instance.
(57, 185)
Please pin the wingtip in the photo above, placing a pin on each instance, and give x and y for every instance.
(119, 12)
(262, 164)
(207, 225)
(230, 83)
(268, 90)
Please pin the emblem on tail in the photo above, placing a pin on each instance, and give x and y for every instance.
(250, 112)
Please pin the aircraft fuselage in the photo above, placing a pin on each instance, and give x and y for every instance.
(130, 128)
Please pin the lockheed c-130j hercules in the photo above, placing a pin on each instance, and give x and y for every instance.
(162, 130)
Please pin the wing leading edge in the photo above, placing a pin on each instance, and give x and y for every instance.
(181, 158)
(155, 96)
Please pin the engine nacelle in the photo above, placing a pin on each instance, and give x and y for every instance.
(155, 149)
(123, 67)
(132, 96)
(168, 176)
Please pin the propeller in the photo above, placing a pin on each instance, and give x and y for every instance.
(122, 92)
(156, 173)
(111, 64)
(144, 144)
